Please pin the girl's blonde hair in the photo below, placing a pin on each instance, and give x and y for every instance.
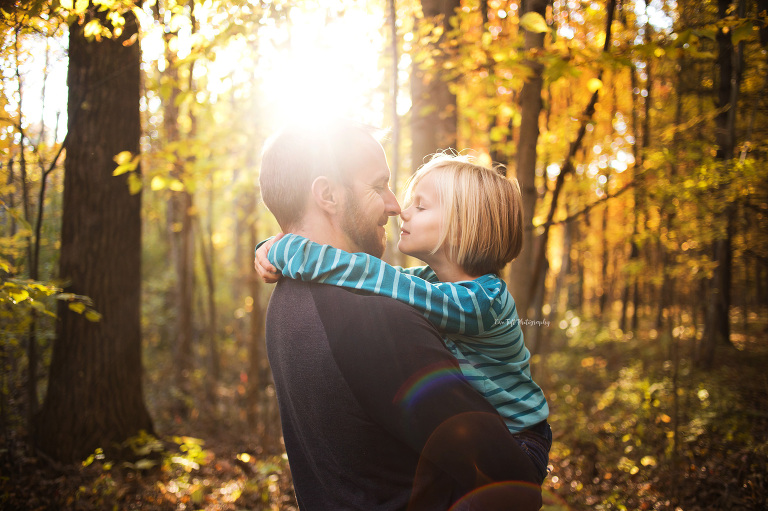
(482, 212)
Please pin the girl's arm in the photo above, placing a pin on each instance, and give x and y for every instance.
(453, 307)
(422, 272)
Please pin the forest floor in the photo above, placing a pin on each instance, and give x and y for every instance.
(636, 427)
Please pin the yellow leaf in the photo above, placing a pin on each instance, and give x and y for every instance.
(594, 85)
(18, 295)
(67, 4)
(145, 464)
(158, 183)
(77, 307)
(534, 22)
(81, 5)
(134, 183)
(93, 316)
(92, 28)
(123, 158)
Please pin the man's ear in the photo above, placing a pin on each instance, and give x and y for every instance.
(326, 194)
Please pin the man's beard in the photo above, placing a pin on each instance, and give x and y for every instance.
(361, 231)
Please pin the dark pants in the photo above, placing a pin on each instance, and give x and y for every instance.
(536, 442)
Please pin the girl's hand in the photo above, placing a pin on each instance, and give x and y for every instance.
(261, 264)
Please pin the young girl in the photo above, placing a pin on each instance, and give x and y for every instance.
(465, 221)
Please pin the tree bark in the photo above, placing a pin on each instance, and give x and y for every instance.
(95, 394)
(520, 276)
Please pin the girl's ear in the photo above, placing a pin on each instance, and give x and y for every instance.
(326, 194)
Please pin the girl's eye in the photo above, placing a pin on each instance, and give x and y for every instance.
(419, 207)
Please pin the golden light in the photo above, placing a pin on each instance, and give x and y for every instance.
(327, 63)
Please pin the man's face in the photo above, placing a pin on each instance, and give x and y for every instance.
(369, 203)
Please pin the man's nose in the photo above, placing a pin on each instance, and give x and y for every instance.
(391, 204)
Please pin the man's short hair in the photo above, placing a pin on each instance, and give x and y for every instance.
(482, 212)
(299, 153)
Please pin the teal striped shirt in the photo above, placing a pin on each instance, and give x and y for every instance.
(478, 318)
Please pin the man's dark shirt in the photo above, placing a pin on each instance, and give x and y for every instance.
(366, 390)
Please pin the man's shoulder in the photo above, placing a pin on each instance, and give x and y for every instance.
(343, 301)
(361, 304)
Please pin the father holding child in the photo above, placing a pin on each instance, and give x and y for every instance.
(375, 411)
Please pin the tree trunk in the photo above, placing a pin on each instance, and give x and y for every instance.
(259, 375)
(717, 326)
(540, 257)
(95, 394)
(520, 275)
(180, 223)
(208, 252)
(433, 114)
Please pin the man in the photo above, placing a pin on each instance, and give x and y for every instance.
(375, 412)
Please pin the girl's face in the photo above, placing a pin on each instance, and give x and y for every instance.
(422, 222)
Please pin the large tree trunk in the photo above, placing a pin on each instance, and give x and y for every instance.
(433, 114)
(95, 394)
(520, 273)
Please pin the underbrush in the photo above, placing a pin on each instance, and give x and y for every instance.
(176, 473)
(637, 426)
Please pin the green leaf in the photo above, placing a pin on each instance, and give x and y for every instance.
(742, 32)
(709, 33)
(534, 22)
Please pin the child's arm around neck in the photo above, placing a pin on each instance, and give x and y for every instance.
(466, 308)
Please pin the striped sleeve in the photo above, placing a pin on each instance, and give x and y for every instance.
(465, 308)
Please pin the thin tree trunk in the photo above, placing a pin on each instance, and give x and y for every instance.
(31, 340)
(433, 114)
(568, 164)
(395, 87)
(668, 213)
(207, 252)
(258, 367)
(717, 327)
(604, 265)
(180, 236)
(95, 396)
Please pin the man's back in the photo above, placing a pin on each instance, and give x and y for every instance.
(366, 390)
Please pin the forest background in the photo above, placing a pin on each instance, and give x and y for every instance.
(132, 343)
